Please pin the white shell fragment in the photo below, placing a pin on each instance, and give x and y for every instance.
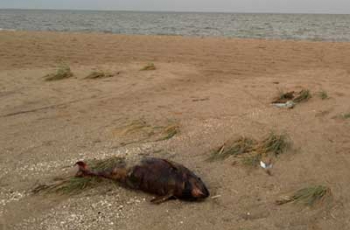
(216, 197)
(288, 104)
(265, 166)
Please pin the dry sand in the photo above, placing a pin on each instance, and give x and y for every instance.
(215, 88)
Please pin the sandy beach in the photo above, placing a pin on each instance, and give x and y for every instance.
(214, 89)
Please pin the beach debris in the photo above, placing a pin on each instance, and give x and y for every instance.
(303, 95)
(308, 196)
(290, 99)
(201, 99)
(346, 116)
(251, 160)
(323, 95)
(169, 132)
(149, 66)
(252, 152)
(216, 197)
(77, 184)
(99, 74)
(140, 130)
(265, 165)
(284, 97)
(68, 185)
(284, 100)
(232, 148)
(63, 72)
(161, 177)
(274, 143)
(133, 127)
(267, 149)
(288, 105)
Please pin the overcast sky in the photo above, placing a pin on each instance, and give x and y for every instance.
(278, 6)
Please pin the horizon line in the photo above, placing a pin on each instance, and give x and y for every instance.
(168, 11)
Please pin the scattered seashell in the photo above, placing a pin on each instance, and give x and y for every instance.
(288, 104)
(216, 197)
(265, 165)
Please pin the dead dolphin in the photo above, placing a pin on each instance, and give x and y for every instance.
(161, 177)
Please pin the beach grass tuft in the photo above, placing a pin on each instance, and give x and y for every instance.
(170, 131)
(235, 148)
(74, 185)
(251, 151)
(323, 95)
(252, 161)
(63, 72)
(304, 95)
(99, 74)
(149, 66)
(285, 96)
(346, 116)
(134, 127)
(105, 164)
(139, 131)
(274, 143)
(308, 196)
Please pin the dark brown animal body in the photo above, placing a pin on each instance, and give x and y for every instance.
(161, 177)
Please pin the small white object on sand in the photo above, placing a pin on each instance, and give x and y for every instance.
(216, 197)
(265, 166)
(288, 104)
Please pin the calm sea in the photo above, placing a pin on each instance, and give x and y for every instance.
(263, 26)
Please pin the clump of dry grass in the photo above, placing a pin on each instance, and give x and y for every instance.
(323, 95)
(287, 97)
(304, 95)
(99, 74)
(273, 143)
(272, 146)
(252, 161)
(149, 66)
(105, 164)
(346, 115)
(74, 185)
(237, 147)
(284, 97)
(134, 127)
(169, 132)
(251, 151)
(141, 130)
(307, 196)
(62, 72)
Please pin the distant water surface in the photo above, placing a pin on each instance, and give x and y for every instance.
(262, 26)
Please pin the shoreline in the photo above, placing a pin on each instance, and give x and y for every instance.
(172, 35)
